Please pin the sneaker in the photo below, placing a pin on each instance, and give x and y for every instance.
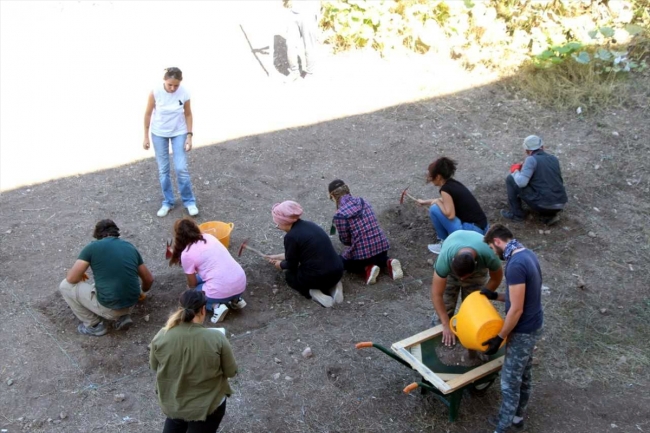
(163, 211)
(372, 272)
(395, 269)
(193, 210)
(219, 313)
(435, 248)
(549, 221)
(338, 293)
(494, 421)
(123, 323)
(237, 304)
(321, 298)
(512, 217)
(96, 331)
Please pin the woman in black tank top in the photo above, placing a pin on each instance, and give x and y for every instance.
(456, 209)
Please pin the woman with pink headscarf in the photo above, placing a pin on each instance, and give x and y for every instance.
(311, 265)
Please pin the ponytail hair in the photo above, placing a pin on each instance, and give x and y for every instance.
(191, 303)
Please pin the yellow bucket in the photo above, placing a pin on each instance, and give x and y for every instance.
(219, 230)
(477, 321)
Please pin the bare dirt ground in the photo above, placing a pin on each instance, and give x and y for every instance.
(592, 371)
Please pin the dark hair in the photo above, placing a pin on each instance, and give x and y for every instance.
(191, 302)
(336, 183)
(174, 73)
(497, 231)
(186, 232)
(442, 166)
(463, 264)
(106, 228)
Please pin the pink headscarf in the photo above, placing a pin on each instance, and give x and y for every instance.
(287, 212)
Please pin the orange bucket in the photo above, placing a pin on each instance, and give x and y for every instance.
(219, 230)
(477, 321)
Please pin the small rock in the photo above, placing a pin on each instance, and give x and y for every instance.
(146, 318)
(596, 209)
(622, 360)
(56, 421)
(361, 303)
(8, 232)
(276, 376)
(63, 415)
(288, 378)
(430, 261)
(614, 426)
(10, 382)
(547, 232)
(21, 419)
(118, 397)
(307, 353)
(541, 232)
(596, 167)
(275, 291)
(579, 110)
(546, 290)
(603, 310)
(49, 420)
(615, 134)
(277, 361)
(592, 234)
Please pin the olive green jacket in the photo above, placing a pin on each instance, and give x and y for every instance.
(192, 366)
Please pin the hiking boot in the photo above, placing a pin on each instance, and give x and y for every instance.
(549, 221)
(372, 272)
(163, 211)
(219, 313)
(395, 269)
(193, 210)
(95, 331)
(237, 304)
(435, 248)
(512, 217)
(123, 323)
(494, 421)
(338, 293)
(321, 298)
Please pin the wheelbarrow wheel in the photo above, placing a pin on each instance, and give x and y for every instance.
(481, 388)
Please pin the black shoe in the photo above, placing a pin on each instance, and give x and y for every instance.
(512, 217)
(123, 323)
(494, 421)
(96, 331)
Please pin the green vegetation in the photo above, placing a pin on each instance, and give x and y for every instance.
(560, 39)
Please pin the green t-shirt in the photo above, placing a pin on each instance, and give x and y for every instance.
(115, 267)
(485, 257)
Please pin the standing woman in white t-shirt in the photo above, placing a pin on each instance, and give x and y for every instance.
(171, 122)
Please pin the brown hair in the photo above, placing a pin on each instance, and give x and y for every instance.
(497, 231)
(191, 302)
(186, 233)
(106, 228)
(442, 166)
(174, 73)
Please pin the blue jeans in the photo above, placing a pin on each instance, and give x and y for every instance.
(161, 147)
(211, 301)
(444, 226)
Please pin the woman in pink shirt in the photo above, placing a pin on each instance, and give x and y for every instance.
(209, 267)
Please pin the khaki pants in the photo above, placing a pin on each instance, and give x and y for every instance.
(82, 299)
(455, 286)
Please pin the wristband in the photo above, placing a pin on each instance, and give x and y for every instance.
(191, 134)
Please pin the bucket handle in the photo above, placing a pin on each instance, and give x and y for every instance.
(452, 326)
(231, 225)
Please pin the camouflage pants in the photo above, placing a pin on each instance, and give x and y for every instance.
(455, 286)
(516, 377)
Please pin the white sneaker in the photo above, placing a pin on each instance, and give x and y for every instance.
(163, 211)
(338, 293)
(321, 298)
(193, 210)
(219, 313)
(237, 304)
(395, 269)
(435, 248)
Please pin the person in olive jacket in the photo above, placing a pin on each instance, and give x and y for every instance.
(192, 366)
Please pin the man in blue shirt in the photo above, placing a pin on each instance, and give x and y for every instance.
(522, 326)
(538, 182)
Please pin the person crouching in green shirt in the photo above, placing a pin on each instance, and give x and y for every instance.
(118, 269)
(192, 366)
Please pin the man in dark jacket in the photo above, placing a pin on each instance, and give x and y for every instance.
(538, 182)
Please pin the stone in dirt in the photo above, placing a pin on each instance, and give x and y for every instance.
(592, 234)
(146, 318)
(10, 382)
(118, 397)
(63, 415)
(277, 360)
(603, 310)
(288, 378)
(307, 353)
(276, 376)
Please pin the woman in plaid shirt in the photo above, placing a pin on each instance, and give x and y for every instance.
(358, 228)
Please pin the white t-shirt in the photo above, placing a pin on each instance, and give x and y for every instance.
(168, 118)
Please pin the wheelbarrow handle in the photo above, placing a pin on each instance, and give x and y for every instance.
(363, 345)
(410, 387)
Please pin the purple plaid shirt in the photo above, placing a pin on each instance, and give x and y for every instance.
(358, 229)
